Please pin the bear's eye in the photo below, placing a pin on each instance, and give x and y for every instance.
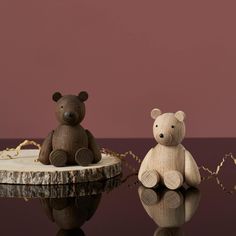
(172, 126)
(156, 125)
(61, 107)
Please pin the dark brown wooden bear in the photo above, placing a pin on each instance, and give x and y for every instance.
(69, 143)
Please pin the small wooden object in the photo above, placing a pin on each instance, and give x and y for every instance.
(70, 143)
(173, 179)
(168, 163)
(150, 178)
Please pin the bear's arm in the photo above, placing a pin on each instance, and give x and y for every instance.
(145, 164)
(93, 146)
(46, 149)
(192, 175)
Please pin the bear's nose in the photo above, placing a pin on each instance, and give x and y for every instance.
(161, 135)
(69, 115)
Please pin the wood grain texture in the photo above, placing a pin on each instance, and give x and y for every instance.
(192, 175)
(171, 161)
(70, 139)
(150, 179)
(145, 164)
(173, 179)
(25, 170)
(69, 136)
(164, 159)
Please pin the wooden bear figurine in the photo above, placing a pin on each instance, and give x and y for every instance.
(168, 163)
(170, 209)
(69, 143)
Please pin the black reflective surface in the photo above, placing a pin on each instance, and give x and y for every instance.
(123, 207)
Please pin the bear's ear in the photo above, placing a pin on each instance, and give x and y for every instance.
(180, 115)
(155, 113)
(56, 96)
(83, 96)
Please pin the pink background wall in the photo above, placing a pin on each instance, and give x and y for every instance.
(131, 56)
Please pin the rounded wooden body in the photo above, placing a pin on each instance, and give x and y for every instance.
(173, 166)
(69, 139)
(167, 158)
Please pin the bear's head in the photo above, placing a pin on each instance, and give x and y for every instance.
(168, 128)
(70, 109)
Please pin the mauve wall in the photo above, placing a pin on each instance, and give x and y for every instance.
(130, 55)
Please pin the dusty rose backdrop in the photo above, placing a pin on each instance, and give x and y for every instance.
(130, 55)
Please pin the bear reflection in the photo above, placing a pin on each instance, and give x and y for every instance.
(71, 213)
(169, 209)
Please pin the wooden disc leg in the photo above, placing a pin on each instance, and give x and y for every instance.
(150, 179)
(173, 179)
(58, 158)
(84, 157)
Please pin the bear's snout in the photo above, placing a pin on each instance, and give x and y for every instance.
(161, 135)
(69, 116)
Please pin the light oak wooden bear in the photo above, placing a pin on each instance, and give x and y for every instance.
(70, 143)
(170, 209)
(168, 163)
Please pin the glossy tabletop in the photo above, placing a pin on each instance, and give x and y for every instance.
(121, 206)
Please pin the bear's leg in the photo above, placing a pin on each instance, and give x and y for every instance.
(173, 179)
(84, 157)
(150, 178)
(58, 158)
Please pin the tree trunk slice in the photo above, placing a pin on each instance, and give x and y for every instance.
(24, 169)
